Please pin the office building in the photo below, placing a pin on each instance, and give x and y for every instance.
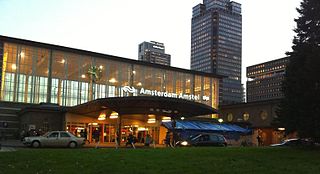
(216, 42)
(265, 80)
(154, 52)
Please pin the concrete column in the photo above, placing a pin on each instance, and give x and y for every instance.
(119, 130)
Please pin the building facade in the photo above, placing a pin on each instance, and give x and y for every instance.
(216, 43)
(258, 116)
(153, 52)
(265, 80)
(34, 73)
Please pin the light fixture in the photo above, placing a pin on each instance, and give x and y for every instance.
(114, 115)
(151, 120)
(166, 119)
(182, 118)
(100, 67)
(62, 61)
(83, 76)
(142, 129)
(14, 66)
(133, 72)
(139, 84)
(281, 128)
(102, 116)
(112, 80)
(220, 120)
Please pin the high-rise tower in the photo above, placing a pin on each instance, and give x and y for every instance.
(153, 52)
(216, 42)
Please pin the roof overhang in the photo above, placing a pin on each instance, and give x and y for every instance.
(172, 107)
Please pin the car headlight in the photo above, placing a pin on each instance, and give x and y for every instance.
(184, 143)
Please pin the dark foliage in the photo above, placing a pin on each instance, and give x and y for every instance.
(300, 109)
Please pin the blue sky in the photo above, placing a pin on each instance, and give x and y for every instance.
(116, 27)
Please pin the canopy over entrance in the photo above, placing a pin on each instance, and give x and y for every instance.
(132, 105)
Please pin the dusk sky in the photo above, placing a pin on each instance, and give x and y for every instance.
(116, 27)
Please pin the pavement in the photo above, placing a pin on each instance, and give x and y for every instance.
(9, 145)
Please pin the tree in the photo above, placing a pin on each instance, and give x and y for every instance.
(94, 74)
(299, 110)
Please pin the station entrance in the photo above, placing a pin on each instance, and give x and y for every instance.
(112, 120)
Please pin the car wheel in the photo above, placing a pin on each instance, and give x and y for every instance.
(72, 144)
(35, 144)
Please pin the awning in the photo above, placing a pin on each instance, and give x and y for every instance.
(205, 126)
(173, 107)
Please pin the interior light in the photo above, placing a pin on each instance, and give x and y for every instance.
(133, 72)
(281, 128)
(22, 54)
(102, 116)
(166, 119)
(220, 120)
(114, 115)
(100, 67)
(182, 118)
(139, 84)
(13, 66)
(83, 76)
(112, 80)
(62, 61)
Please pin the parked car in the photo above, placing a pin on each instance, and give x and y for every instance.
(54, 139)
(205, 139)
(295, 142)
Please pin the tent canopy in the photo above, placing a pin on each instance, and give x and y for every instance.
(205, 126)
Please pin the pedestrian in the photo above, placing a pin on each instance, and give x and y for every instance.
(167, 139)
(259, 140)
(22, 134)
(148, 140)
(130, 141)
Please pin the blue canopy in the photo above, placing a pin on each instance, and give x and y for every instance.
(205, 126)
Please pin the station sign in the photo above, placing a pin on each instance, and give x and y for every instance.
(143, 91)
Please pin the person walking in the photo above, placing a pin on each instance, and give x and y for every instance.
(148, 140)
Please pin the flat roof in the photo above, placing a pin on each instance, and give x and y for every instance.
(106, 56)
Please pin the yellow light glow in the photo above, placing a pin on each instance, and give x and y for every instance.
(22, 54)
(13, 66)
(62, 61)
(83, 76)
(166, 119)
(281, 128)
(220, 120)
(112, 80)
(114, 115)
(139, 84)
(102, 116)
(142, 129)
(101, 67)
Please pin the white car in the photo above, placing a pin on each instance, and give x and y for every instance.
(54, 139)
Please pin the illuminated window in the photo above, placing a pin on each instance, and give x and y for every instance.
(246, 116)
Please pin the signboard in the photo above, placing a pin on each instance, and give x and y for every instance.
(143, 91)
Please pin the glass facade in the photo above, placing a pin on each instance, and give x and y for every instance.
(35, 74)
(216, 41)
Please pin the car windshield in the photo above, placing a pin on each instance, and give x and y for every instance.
(195, 137)
(46, 134)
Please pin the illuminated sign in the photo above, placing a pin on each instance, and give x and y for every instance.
(156, 93)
